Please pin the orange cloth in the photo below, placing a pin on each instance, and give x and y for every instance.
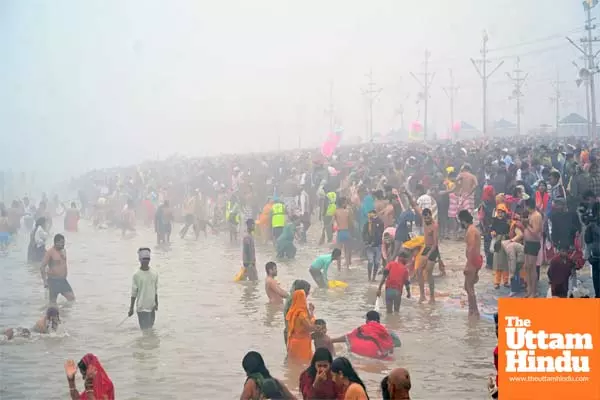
(355, 392)
(299, 343)
(500, 277)
(265, 216)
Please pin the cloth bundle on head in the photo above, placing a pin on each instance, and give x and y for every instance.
(144, 254)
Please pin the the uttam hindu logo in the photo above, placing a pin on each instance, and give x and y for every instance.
(523, 343)
(549, 349)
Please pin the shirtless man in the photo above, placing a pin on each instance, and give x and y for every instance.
(342, 221)
(429, 256)
(466, 183)
(388, 215)
(274, 292)
(249, 252)
(474, 259)
(396, 386)
(55, 278)
(532, 245)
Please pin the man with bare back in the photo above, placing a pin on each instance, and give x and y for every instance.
(274, 292)
(532, 245)
(55, 275)
(474, 259)
(342, 221)
(429, 256)
(466, 183)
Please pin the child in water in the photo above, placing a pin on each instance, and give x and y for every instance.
(320, 337)
(47, 324)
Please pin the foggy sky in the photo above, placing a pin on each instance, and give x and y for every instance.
(87, 84)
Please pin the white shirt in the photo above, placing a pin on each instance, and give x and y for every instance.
(426, 201)
(144, 288)
(303, 202)
(40, 237)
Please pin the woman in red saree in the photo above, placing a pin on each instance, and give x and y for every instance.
(98, 385)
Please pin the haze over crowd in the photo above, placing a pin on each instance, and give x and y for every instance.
(99, 83)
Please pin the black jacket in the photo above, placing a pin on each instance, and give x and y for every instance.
(375, 237)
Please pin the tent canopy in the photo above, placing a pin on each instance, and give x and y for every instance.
(573, 119)
(504, 124)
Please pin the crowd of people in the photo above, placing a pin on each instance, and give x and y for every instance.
(387, 204)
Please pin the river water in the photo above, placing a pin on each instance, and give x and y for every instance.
(206, 323)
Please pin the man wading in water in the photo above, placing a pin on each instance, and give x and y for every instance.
(274, 292)
(55, 278)
(249, 253)
(145, 290)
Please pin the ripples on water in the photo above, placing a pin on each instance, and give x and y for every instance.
(206, 323)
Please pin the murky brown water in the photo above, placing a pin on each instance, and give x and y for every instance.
(206, 323)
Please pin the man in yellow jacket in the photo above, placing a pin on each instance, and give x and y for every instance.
(278, 218)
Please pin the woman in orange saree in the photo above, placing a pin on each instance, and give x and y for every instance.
(299, 319)
(264, 222)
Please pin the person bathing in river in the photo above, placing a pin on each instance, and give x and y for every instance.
(274, 292)
(37, 242)
(54, 271)
(298, 284)
(316, 383)
(47, 324)
(144, 289)
(347, 380)
(98, 385)
(300, 325)
(372, 235)
(395, 277)
(249, 253)
(369, 340)
(284, 245)
(163, 223)
(396, 386)
(259, 382)
(318, 269)
(320, 337)
(72, 217)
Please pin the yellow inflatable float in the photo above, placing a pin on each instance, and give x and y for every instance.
(337, 284)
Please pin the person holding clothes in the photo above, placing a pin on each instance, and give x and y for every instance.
(347, 380)
(144, 290)
(316, 382)
(372, 237)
